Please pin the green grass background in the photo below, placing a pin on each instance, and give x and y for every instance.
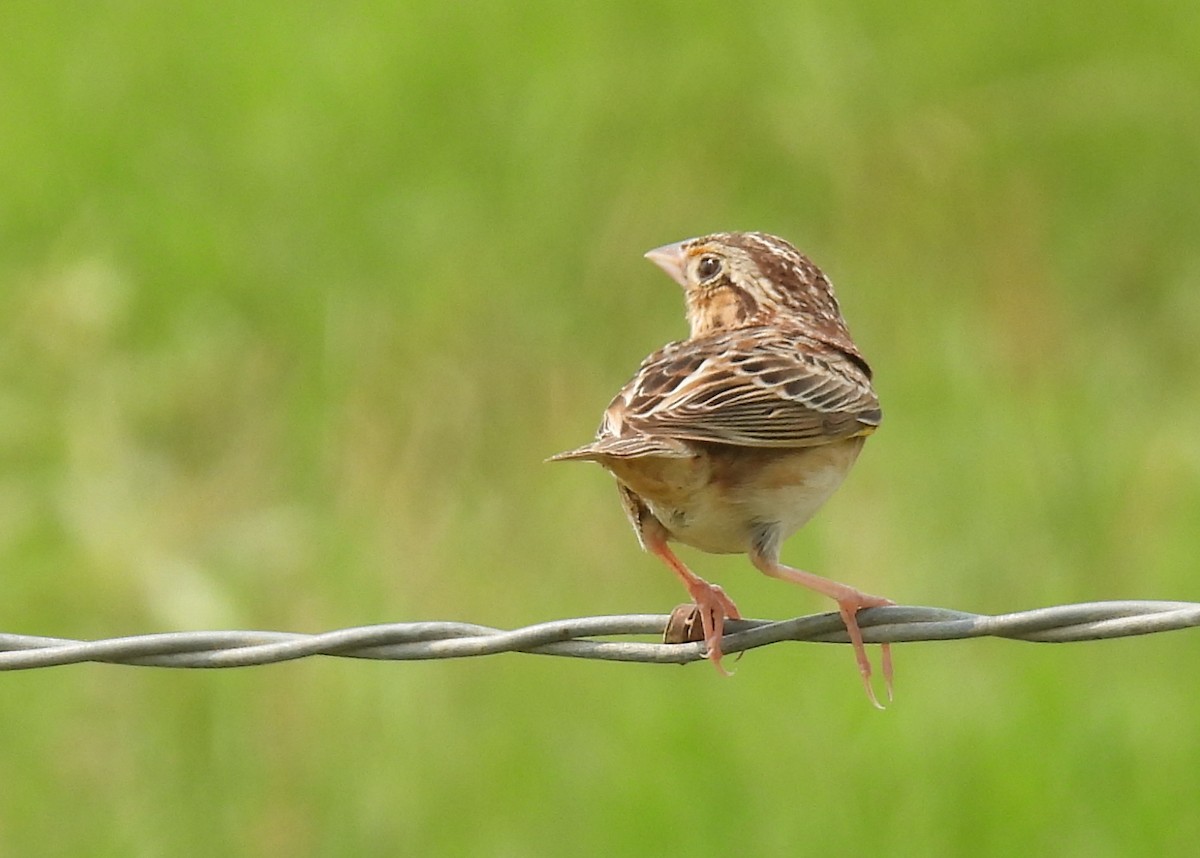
(296, 297)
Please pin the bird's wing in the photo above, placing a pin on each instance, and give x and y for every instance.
(756, 387)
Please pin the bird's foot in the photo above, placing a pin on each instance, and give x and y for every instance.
(850, 602)
(702, 619)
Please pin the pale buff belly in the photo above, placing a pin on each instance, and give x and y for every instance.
(716, 501)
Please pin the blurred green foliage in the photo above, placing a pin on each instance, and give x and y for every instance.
(297, 296)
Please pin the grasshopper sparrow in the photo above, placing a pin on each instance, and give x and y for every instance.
(730, 440)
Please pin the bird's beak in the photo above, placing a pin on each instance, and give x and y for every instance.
(670, 259)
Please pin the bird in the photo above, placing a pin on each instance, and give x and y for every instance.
(730, 440)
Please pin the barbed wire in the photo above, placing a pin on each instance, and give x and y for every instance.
(576, 638)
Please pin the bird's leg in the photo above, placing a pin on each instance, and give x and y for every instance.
(713, 606)
(849, 601)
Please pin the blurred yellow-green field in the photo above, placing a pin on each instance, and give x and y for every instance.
(296, 298)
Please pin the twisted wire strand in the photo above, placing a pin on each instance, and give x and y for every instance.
(575, 638)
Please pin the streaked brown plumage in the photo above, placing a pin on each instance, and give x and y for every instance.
(730, 440)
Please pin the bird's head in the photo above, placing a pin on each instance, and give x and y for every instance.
(736, 280)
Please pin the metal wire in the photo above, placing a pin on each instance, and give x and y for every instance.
(576, 638)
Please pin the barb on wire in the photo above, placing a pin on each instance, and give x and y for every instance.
(577, 638)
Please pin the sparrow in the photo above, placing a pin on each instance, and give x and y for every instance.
(729, 441)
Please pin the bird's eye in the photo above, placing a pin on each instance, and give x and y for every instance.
(708, 267)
